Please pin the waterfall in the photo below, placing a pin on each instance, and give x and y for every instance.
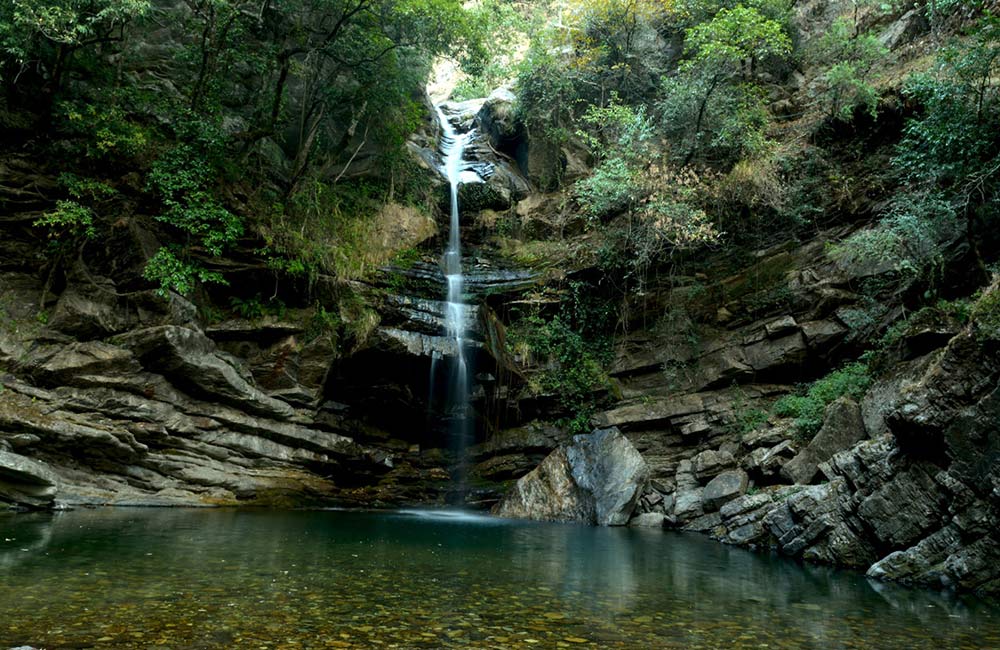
(456, 311)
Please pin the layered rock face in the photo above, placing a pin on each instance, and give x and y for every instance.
(160, 414)
(903, 485)
(918, 503)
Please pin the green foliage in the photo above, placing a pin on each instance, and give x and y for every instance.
(713, 107)
(619, 138)
(254, 308)
(572, 372)
(322, 322)
(103, 132)
(612, 187)
(497, 28)
(329, 228)
(849, 59)
(43, 32)
(746, 418)
(985, 313)
(572, 347)
(954, 139)
(910, 235)
(736, 38)
(185, 177)
(172, 272)
(68, 220)
(809, 407)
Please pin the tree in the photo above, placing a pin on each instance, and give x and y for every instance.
(953, 143)
(848, 58)
(40, 38)
(723, 55)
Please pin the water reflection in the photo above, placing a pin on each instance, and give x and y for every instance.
(229, 578)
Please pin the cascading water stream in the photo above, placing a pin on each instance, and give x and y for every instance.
(456, 311)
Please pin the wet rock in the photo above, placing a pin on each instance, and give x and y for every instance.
(548, 492)
(812, 523)
(705, 523)
(724, 488)
(904, 509)
(609, 466)
(598, 478)
(687, 496)
(842, 428)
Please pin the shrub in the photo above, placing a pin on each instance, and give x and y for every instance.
(848, 59)
(912, 233)
(68, 221)
(809, 407)
(172, 272)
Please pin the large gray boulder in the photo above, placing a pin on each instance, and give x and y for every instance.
(843, 427)
(498, 119)
(598, 478)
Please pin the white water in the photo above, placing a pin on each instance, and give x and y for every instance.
(456, 311)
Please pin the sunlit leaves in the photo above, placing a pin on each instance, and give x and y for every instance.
(736, 37)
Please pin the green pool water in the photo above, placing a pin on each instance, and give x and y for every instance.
(180, 579)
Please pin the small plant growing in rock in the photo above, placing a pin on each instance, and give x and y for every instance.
(986, 314)
(808, 407)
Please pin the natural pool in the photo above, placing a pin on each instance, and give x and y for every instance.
(181, 579)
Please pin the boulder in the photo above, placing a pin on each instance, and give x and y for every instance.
(775, 354)
(401, 226)
(88, 315)
(766, 462)
(711, 463)
(548, 492)
(724, 488)
(903, 30)
(842, 428)
(648, 520)
(26, 483)
(497, 119)
(598, 478)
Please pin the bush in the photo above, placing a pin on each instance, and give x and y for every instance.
(613, 187)
(172, 272)
(912, 233)
(848, 59)
(808, 408)
(68, 221)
